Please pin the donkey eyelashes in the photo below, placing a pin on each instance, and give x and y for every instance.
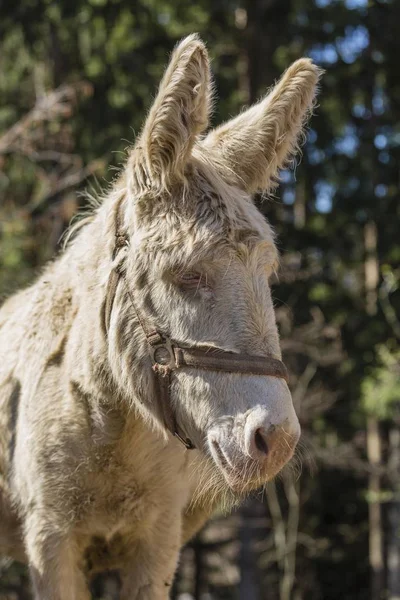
(195, 282)
(190, 280)
(190, 277)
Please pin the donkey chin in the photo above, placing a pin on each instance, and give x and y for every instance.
(252, 453)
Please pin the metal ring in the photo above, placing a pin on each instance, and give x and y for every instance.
(163, 354)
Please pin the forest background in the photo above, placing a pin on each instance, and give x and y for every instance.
(76, 80)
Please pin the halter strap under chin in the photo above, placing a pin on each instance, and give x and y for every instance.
(167, 357)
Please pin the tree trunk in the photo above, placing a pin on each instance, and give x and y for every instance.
(263, 33)
(247, 559)
(394, 515)
(374, 452)
(374, 447)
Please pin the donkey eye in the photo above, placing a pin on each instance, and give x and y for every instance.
(195, 283)
(190, 277)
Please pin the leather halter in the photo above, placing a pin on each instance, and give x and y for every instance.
(167, 357)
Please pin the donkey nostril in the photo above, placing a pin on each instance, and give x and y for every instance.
(260, 442)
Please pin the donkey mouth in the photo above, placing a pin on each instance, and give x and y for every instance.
(246, 475)
(222, 460)
(241, 477)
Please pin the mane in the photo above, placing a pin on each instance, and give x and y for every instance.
(95, 197)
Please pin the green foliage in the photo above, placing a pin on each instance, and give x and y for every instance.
(381, 389)
(342, 366)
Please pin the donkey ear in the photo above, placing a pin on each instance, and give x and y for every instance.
(179, 114)
(251, 148)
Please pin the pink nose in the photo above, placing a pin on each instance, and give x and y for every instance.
(261, 438)
(259, 442)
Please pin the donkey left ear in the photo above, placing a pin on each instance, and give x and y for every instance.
(250, 149)
(179, 114)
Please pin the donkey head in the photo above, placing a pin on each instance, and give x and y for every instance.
(200, 258)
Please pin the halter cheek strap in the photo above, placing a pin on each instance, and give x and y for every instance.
(168, 357)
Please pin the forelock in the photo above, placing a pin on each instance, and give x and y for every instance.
(199, 217)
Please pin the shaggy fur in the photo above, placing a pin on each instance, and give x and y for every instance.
(89, 479)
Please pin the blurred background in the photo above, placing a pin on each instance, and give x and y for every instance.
(76, 80)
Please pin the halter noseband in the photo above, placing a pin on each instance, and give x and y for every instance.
(167, 357)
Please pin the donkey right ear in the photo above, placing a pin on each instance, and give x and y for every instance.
(179, 114)
(251, 148)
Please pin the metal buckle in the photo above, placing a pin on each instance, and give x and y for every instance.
(163, 356)
(121, 240)
(185, 441)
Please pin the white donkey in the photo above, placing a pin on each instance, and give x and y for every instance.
(141, 384)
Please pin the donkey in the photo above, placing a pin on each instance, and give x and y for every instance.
(141, 383)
